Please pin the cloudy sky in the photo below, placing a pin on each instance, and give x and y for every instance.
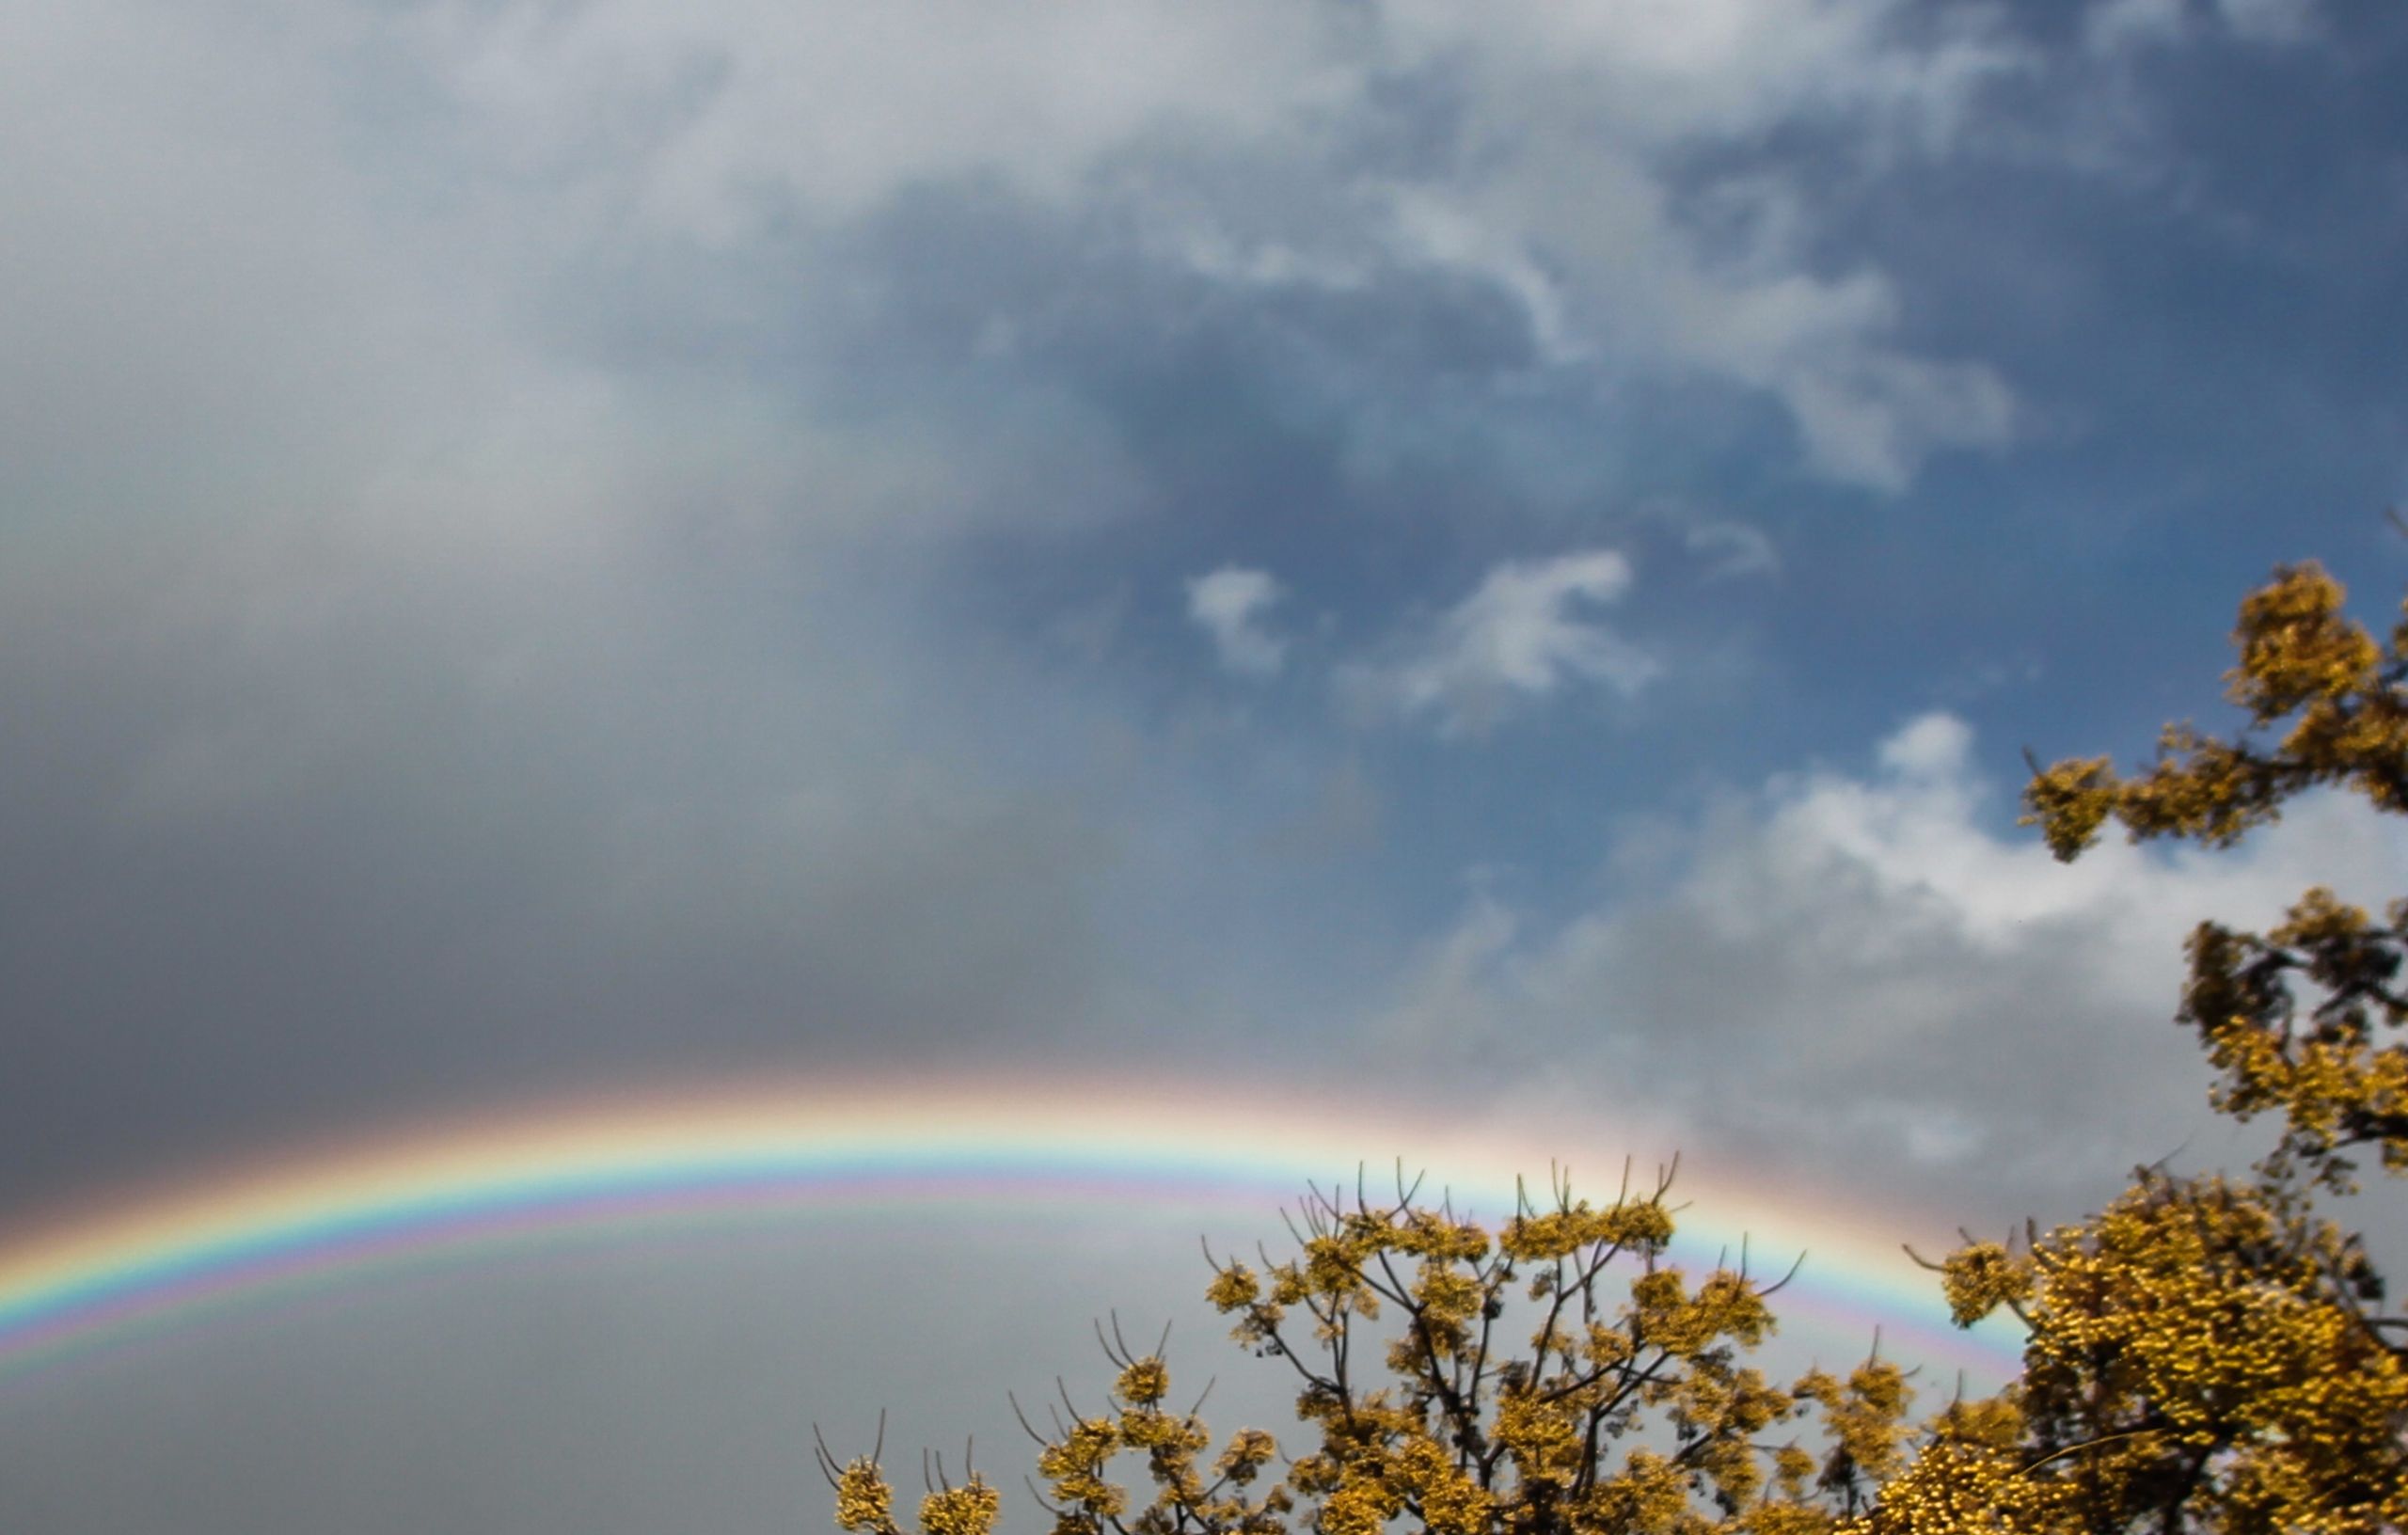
(1507, 556)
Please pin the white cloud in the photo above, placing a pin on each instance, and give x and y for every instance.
(1594, 96)
(1613, 276)
(1865, 413)
(1862, 972)
(1520, 635)
(1931, 749)
(1227, 604)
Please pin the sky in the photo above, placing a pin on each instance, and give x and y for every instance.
(1490, 570)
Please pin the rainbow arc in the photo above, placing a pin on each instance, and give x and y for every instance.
(456, 1191)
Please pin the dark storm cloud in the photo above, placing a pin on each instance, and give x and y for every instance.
(353, 864)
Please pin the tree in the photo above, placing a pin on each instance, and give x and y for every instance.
(2204, 1354)
(1469, 1382)
(2207, 1354)
(2199, 1359)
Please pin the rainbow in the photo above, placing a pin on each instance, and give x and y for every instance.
(467, 1190)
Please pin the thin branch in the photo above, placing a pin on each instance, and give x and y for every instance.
(1027, 1426)
(2092, 1444)
(829, 1465)
(1782, 1283)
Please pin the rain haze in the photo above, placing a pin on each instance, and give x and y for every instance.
(1357, 577)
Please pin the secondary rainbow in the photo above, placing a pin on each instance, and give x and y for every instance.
(460, 1191)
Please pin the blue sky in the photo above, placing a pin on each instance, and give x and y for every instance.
(569, 544)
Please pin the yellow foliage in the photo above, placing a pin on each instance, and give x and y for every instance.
(865, 1503)
(1979, 1278)
(1144, 1382)
(968, 1510)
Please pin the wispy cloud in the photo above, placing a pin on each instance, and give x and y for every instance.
(1733, 549)
(2271, 21)
(1229, 604)
(2114, 25)
(1523, 634)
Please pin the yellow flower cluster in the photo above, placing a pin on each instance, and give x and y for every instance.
(1980, 1277)
(967, 1509)
(865, 1503)
(2191, 1365)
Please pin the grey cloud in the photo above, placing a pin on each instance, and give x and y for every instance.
(428, 842)
(783, 97)
(413, 697)
(665, 1380)
(208, 315)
